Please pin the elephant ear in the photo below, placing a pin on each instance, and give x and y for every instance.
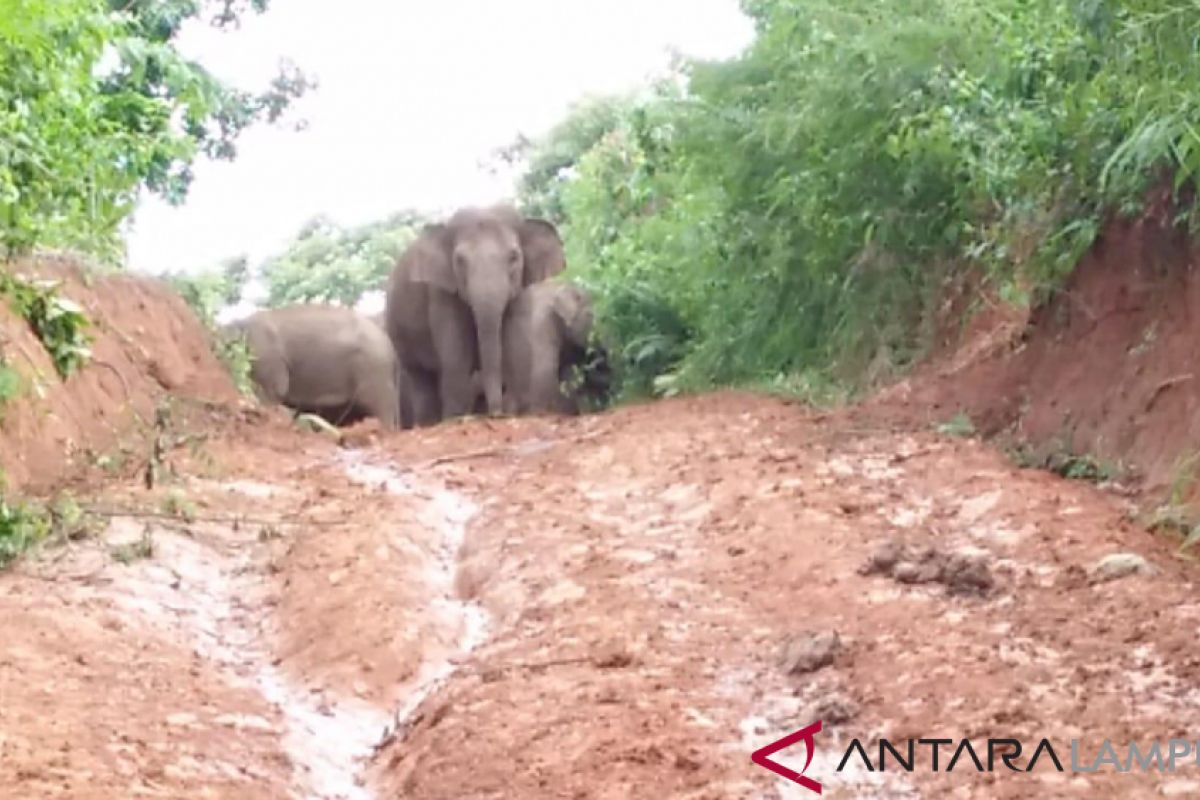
(428, 258)
(543, 249)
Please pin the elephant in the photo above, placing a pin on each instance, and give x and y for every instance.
(404, 388)
(446, 301)
(322, 359)
(546, 333)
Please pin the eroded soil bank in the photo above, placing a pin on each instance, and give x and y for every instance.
(617, 606)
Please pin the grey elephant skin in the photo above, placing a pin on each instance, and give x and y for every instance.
(446, 301)
(322, 359)
(546, 332)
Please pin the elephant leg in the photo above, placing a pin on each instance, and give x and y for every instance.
(421, 391)
(378, 399)
(271, 379)
(453, 334)
(545, 395)
(455, 391)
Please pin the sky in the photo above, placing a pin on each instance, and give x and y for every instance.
(413, 96)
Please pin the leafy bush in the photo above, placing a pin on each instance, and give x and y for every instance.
(235, 354)
(21, 528)
(10, 384)
(59, 323)
(209, 291)
(797, 209)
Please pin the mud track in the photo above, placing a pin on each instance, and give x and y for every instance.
(619, 606)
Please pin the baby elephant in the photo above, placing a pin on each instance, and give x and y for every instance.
(322, 359)
(546, 321)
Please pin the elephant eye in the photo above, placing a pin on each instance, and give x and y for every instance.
(514, 255)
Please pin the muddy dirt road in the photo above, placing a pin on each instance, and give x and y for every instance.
(619, 606)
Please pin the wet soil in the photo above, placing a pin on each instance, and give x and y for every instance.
(614, 606)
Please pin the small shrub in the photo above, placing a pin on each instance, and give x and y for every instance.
(10, 385)
(60, 324)
(22, 527)
(140, 550)
(960, 425)
(1059, 459)
(177, 505)
(235, 354)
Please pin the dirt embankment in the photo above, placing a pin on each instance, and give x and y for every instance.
(147, 345)
(1107, 369)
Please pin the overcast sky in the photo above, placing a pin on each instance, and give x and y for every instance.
(413, 95)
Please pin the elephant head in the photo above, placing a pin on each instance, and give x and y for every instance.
(573, 308)
(485, 257)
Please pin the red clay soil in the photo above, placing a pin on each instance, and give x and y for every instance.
(623, 605)
(1108, 368)
(147, 344)
(295, 625)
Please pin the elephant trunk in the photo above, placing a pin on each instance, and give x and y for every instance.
(488, 325)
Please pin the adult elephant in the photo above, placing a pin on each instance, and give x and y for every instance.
(322, 359)
(446, 300)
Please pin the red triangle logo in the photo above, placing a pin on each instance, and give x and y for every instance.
(762, 756)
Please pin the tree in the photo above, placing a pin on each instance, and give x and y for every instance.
(211, 290)
(327, 263)
(96, 103)
(547, 163)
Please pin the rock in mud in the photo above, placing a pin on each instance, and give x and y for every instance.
(835, 709)
(1120, 565)
(964, 574)
(810, 652)
(960, 573)
(884, 559)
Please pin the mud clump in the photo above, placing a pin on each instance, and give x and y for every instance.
(810, 652)
(1118, 566)
(961, 573)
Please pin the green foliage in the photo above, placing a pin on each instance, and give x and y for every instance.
(10, 385)
(138, 550)
(1059, 458)
(548, 164)
(235, 354)
(327, 263)
(209, 291)
(96, 103)
(798, 209)
(21, 528)
(960, 425)
(59, 323)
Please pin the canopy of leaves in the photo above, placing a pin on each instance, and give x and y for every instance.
(796, 210)
(549, 163)
(210, 291)
(96, 103)
(327, 263)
